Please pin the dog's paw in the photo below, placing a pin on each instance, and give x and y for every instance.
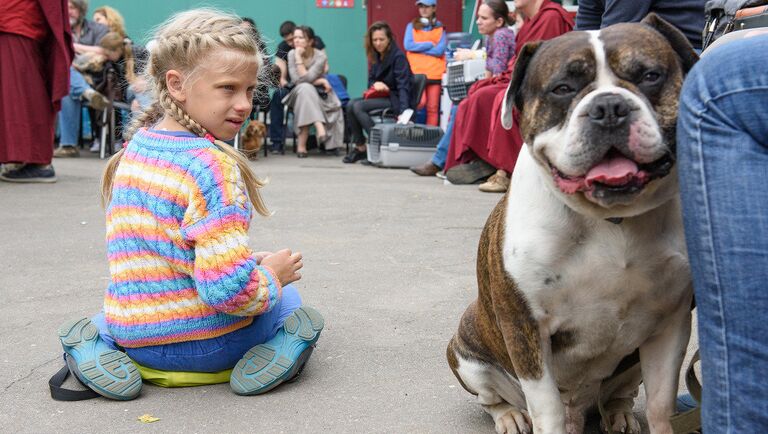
(622, 423)
(513, 421)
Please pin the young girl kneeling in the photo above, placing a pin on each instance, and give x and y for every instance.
(187, 293)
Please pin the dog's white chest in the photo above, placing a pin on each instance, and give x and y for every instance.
(606, 286)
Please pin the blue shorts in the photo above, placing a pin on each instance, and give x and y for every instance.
(210, 355)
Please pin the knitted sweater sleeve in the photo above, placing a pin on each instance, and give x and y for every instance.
(226, 274)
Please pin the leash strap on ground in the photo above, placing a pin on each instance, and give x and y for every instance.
(689, 421)
(59, 393)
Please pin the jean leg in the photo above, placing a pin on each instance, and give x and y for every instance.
(101, 323)
(223, 352)
(71, 107)
(69, 120)
(290, 301)
(723, 165)
(77, 83)
(442, 147)
(276, 117)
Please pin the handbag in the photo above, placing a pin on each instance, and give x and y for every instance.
(373, 93)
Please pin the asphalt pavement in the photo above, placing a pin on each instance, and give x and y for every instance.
(389, 262)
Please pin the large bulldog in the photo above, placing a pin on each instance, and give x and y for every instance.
(584, 284)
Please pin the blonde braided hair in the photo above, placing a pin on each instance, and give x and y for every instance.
(180, 44)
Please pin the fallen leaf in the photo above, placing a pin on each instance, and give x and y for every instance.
(148, 418)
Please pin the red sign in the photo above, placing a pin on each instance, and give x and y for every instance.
(336, 3)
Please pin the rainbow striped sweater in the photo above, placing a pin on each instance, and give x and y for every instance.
(177, 244)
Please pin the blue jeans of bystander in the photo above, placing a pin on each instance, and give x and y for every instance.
(276, 118)
(71, 106)
(438, 159)
(723, 168)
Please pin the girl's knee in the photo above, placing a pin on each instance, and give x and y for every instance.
(291, 299)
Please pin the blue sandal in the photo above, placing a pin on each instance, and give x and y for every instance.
(106, 371)
(282, 358)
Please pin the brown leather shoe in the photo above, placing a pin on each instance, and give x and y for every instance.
(426, 169)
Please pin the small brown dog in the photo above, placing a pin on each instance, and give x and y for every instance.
(253, 139)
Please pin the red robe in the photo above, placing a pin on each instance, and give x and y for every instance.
(477, 131)
(36, 48)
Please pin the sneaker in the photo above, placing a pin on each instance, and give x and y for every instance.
(95, 100)
(29, 173)
(355, 155)
(96, 146)
(470, 173)
(497, 183)
(7, 167)
(426, 169)
(66, 152)
(280, 359)
(106, 371)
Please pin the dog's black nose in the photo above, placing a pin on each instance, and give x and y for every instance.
(609, 110)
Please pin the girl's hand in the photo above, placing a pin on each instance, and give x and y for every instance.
(261, 255)
(285, 265)
(380, 86)
(299, 52)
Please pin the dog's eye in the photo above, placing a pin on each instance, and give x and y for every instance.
(562, 89)
(650, 77)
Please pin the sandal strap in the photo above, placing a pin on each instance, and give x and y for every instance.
(59, 393)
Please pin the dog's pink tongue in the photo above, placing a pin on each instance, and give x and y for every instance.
(613, 171)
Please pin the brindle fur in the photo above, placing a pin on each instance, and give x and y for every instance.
(498, 328)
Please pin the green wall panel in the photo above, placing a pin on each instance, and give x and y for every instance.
(341, 29)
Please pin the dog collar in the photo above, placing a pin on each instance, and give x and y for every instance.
(615, 220)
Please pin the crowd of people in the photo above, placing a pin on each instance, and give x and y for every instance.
(104, 65)
(97, 63)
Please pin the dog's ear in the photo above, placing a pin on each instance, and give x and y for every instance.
(677, 40)
(514, 96)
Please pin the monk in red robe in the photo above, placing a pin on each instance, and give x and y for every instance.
(36, 51)
(475, 135)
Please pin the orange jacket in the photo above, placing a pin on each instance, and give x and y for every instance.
(421, 62)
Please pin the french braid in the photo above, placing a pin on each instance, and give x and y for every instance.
(180, 44)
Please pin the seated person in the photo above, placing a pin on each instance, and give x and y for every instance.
(389, 73)
(268, 80)
(492, 21)
(312, 98)
(86, 35)
(126, 61)
(281, 72)
(480, 146)
(111, 18)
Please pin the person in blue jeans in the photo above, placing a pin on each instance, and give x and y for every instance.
(722, 142)
(71, 106)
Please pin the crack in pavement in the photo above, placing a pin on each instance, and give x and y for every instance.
(32, 371)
